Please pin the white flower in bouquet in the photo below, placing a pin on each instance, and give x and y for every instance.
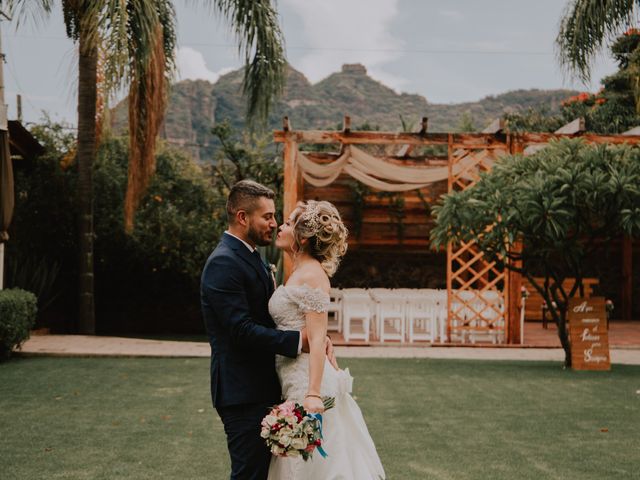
(285, 438)
(299, 443)
(270, 420)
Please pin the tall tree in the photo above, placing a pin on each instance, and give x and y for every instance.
(547, 214)
(136, 39)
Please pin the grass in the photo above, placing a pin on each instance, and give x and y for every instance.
(91, 418)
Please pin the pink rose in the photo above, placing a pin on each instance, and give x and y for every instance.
(287, 408)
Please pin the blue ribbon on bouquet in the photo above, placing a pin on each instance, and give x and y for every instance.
(318, 417)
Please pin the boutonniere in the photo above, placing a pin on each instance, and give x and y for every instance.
(273, 268)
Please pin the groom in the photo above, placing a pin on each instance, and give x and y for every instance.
(235, 290)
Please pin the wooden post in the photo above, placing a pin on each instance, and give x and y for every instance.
(423, 125)
(346, 124)
(449, 245)
(292, 183)
(514, 280)
(627, 278)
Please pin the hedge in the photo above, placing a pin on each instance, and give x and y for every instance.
(17, 316)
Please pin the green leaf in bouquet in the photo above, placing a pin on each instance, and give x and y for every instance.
(328, 402)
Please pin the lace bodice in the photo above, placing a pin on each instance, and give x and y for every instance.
(287, 307)
(289, 304)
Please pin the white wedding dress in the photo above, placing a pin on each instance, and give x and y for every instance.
(351, 454)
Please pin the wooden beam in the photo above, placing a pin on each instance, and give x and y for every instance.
(494, 127)
(460, 140)
(576, 126)
(627, 278)
(591, 138)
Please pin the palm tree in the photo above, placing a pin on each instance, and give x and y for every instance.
(584, 28)
(132, 44)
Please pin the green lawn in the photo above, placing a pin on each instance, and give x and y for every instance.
(91, 418)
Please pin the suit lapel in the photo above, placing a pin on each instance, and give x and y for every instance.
(243, 252)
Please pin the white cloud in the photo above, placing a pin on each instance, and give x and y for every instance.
(338, 32)
(396, 82)
(192, 66)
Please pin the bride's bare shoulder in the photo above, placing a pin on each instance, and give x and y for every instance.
(313, 275)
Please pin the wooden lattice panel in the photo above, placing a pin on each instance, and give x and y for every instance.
(477, 289)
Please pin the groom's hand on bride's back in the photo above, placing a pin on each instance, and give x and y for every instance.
(327, 345)
(331, 355)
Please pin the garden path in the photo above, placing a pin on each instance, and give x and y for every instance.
(93, 346)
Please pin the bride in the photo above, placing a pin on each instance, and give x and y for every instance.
(315, 238)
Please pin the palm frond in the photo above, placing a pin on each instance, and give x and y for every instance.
(28, 10)
(261, 45)
(585, 27)
(149, 75)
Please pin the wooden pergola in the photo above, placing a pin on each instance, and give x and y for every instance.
(469, 275)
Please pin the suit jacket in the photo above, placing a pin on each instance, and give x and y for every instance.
(234, 292)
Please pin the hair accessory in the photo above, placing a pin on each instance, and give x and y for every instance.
(311, 216)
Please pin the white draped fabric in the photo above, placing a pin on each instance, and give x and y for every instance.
(374, 172)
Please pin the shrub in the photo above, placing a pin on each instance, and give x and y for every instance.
(17, 315)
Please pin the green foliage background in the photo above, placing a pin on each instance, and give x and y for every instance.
(144, 281)
(614, 109)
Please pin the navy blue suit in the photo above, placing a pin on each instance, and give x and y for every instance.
(235, 290)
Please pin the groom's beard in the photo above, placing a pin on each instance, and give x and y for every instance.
(262, 239)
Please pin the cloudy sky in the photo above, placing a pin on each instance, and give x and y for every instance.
(448, 51)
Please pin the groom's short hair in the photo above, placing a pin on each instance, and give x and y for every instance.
(244, 196)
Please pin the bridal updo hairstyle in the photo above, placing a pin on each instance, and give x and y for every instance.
(319, 222)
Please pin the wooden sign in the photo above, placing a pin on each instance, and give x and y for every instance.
(588, 334)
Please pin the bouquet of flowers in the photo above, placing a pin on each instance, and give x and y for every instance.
(289, 431)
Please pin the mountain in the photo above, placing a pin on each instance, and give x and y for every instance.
(195, 105)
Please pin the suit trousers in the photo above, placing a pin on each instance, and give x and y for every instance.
(250, 456)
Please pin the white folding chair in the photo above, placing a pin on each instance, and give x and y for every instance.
(390, 314)
(356, 307)
(421, 315)
(335, 310)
